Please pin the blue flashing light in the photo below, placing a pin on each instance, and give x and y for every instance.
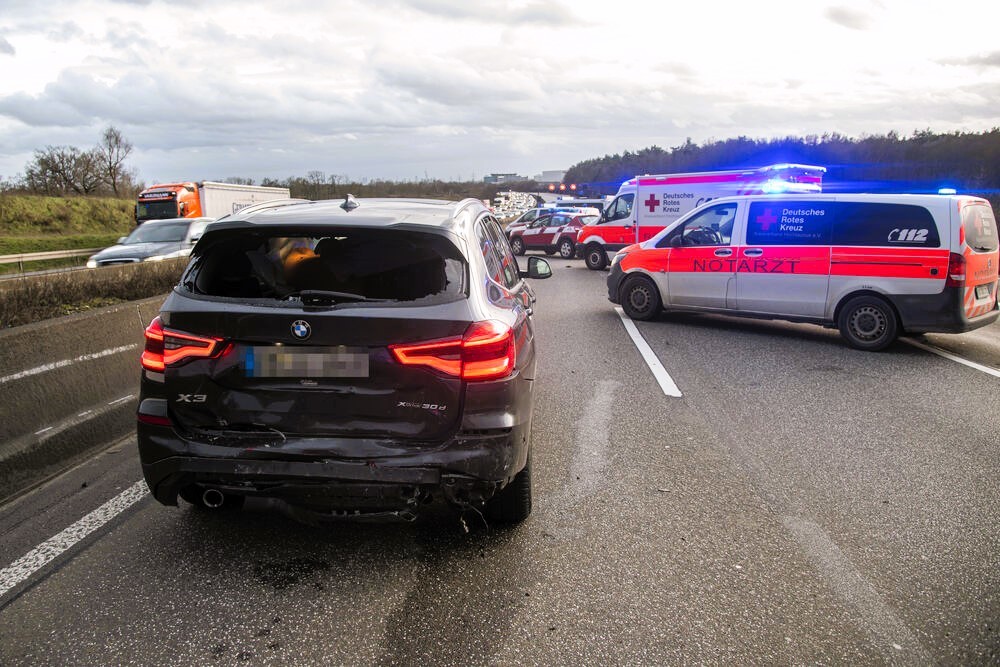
(947, 191)
(774, 186)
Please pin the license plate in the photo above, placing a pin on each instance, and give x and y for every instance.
(313, 362)
(982, 291)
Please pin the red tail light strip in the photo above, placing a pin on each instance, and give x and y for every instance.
(166, 347)
(956, 270)
(485, 352)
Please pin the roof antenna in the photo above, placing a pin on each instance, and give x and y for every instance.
(350, 203)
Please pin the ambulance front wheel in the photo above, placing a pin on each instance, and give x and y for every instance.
(868, 323)
(595, 257)
(640, 299)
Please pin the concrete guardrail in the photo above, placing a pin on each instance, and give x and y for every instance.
(68, 386)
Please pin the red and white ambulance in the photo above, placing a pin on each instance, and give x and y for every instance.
(645, 205)
(873, 266)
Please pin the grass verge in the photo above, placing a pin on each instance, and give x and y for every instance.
(34, 298)
(33, 215)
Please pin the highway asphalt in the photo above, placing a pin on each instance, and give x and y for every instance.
(801, 502)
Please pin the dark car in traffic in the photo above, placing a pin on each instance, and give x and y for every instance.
(345, 359)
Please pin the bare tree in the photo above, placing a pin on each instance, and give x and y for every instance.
(60, 170)
(113, 150)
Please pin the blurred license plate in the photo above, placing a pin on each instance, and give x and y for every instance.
(311, 362)
(982, 291)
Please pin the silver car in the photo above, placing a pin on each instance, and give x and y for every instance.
(153, 241)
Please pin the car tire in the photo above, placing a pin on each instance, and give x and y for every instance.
(517, 245)
(566, 249)
(640, 298)
(868, 323)
(595, 257)
(512, 504)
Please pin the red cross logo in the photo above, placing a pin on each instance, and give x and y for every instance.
(765, 221)
(652, 202)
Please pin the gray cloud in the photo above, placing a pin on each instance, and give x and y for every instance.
(848, 18)
(6, 47)
(497, 12)
(982, 60)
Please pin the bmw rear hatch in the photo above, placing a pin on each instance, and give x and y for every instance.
(325, 332)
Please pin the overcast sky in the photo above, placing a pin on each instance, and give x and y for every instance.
(456, 89)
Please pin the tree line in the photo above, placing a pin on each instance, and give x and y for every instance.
(67, 170)
(922, 162)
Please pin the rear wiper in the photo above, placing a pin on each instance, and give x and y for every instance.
(319, 297)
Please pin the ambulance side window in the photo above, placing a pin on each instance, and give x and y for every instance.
(711, 227)
(885, 225)
(620, 209)
(787, 222)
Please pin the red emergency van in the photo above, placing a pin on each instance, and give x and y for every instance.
(873, 266)
(645, 205)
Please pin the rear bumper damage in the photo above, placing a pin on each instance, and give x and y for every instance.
(314, 474)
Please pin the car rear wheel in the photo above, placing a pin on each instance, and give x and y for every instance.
(640, 299)
(595, 257)
(517, 245)
(868, 323)
(566, 249)
(512, 504)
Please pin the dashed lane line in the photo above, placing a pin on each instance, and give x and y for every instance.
(666, 382)
(52, 548)
(37, 370)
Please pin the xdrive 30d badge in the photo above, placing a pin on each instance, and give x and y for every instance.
(354, 359)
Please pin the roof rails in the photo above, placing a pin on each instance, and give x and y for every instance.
(265, 205)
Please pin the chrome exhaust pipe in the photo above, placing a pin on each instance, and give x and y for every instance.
(213, 498)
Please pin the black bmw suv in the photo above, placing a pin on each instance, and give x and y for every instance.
(349, 359)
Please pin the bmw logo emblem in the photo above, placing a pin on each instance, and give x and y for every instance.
(301, 329)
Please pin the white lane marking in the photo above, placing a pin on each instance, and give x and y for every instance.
(37, 370)
(84, 413)
(122, 399)
(875, 615)
(659, 372)
(47, 428)
(953, 357)
(50, 549)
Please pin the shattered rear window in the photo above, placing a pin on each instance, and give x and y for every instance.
(371, 264)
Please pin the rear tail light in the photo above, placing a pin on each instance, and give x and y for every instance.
(484, 352)
(956, 270)
(166, 347)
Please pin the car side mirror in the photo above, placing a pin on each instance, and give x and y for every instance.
(537, 268)
(676, 241)
(194, 239)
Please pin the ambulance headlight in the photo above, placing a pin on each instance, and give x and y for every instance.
(617, 259)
